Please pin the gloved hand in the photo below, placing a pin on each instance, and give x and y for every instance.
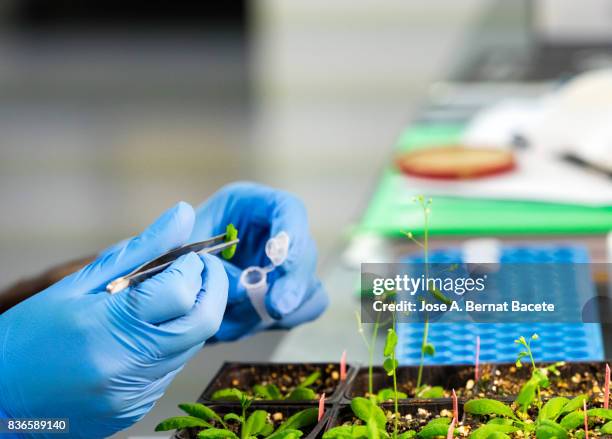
(102, 360)
(259, 212)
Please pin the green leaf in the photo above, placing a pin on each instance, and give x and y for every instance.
(407, 434)
(231, 233)
(366, 410)
(179, 422)
(486, 406)
(274, 391)
(301, 419)
(232, 417)
(200, 411)
(429, 350)
(390, 365)
(526, 394)
(430, 392)
(498, 435)
(440, 296)
(540, 376)
(310, 379)
(390, 343)
(574, 403)
(435, 427)
(485, 431)
(267, 430)
(548, 429)
(441, 420)
(301, 394)
(340, 432)
(347, 432)
(217, 433)
(553, 408)
(260, 391)
(254, 423)
(286, 434)
(572, 420)
(267, 392)
(227, 395)
(501, 421)
(388, 394)
(607, 428)
(600, 413)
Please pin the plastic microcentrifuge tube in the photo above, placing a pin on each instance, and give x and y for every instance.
(255, 279)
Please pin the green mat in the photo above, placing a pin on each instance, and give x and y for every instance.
(392, 209)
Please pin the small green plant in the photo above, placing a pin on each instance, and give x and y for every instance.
(559, 418)
(258, 423)
(371, 346)
(301, 392)
(427, 349)
(376, 422)
(531, 391)
(231, 233)
(390, 365)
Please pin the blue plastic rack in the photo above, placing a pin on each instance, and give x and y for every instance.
(455, 342)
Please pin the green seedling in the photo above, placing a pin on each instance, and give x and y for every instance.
(559, 418)
(375, 419)
(371, 346)
(231, 233)
(531, 391)
(268, 392)
(239, 425)
(390, 365)
(427, 349)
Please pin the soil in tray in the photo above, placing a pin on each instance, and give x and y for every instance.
(460, 378)
(575, 379)
(285, 376)
(276, 415)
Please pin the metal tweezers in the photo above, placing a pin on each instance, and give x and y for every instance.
(213, 245)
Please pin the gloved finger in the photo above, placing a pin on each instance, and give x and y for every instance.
(167, 295)
(289, 291)
(159, 367)
(170, 230)
(315, 303)
(204, 319)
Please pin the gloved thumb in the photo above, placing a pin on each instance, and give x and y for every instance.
(170, 230)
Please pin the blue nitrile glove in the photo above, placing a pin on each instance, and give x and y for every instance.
(74, 351)
(295, 295)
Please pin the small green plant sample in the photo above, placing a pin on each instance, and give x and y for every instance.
(375, 423)
(427, 349)
(231, 233)
(531, 391)
(257, 424)
(559, 418)
(390, 365)
(371, 346)
(301, 392)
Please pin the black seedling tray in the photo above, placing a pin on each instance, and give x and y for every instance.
(287, 410)
(343, 413)
(449, 377)
(244, 376)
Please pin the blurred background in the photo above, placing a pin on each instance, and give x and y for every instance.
(111, 112)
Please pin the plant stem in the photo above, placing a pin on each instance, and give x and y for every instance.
(426, 324)
(533, 369)
(395, 397)
(371, 347)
